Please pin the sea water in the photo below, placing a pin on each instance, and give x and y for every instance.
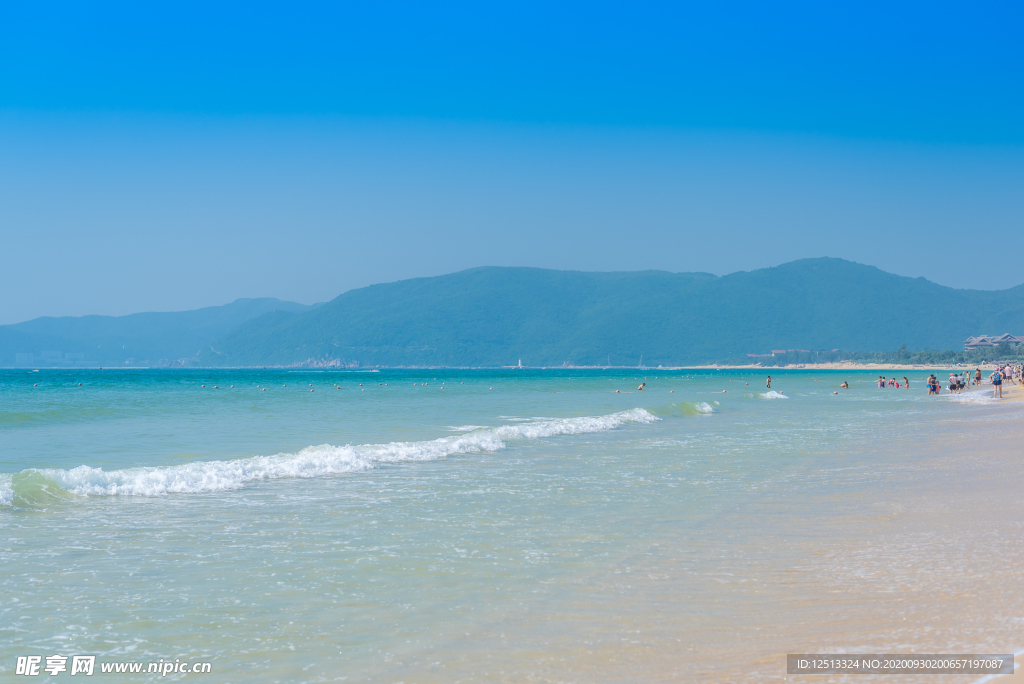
(448, 525)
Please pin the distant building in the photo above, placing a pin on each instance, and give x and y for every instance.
(983, 341)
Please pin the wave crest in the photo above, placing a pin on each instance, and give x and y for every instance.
(687, 408)
(315, 461)
(6, 490)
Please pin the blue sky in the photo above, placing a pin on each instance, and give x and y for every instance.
(168, 156)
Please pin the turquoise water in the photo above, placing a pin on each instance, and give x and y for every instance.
(405, 525)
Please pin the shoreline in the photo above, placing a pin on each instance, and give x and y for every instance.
(838, 365)
(848, 365)
(910, 551)
(698, 549)
(1011, 393)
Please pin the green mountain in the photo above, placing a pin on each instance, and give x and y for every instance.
(497, 316)
(142, 338)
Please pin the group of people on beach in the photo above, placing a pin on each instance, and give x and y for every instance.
(893, 382)
(960, 381)
(957, 382)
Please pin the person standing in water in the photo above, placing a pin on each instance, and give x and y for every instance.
(769, 383)
(997, 384)
(906, 383)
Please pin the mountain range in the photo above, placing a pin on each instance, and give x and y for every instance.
(138, 339)
(495, 316)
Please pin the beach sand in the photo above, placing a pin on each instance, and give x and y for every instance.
(922, 561)
(1011, 392)
(849, 365)
(839, 365)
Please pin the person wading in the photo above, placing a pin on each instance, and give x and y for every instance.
(997, 384)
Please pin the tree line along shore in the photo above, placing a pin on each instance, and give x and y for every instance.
(1003, 353)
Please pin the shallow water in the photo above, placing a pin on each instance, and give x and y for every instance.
(456, 525)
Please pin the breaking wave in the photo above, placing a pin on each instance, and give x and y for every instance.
(772, 394)
(6, 490)
(687, 408)
(37, 486)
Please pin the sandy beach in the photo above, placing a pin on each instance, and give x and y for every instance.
(847, 365)
(1011, 392)
(549, 529)
(918, 562)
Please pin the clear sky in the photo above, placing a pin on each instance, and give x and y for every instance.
(165, 156)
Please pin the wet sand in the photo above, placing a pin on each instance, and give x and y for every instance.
(925, 559)
(1011, 392)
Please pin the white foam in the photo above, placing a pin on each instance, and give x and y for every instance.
(704, 407)
(772, 394)
(466, 428)
(6, 490)
(314, 461)
(574, 426)
(982, 396)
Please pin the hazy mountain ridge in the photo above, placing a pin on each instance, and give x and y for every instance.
(151, 338)
(495, 316)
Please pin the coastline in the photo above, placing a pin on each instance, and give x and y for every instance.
(916, 560)
(688, 548)
(839, 365)
(1011, 392)
(846, 365)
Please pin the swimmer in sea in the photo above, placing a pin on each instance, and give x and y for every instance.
(845, 385)
(769, 383)
(641, 387)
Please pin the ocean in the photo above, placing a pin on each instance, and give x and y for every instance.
(501, 525)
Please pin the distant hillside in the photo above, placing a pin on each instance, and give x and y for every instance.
(145, 338)
(496, 316)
